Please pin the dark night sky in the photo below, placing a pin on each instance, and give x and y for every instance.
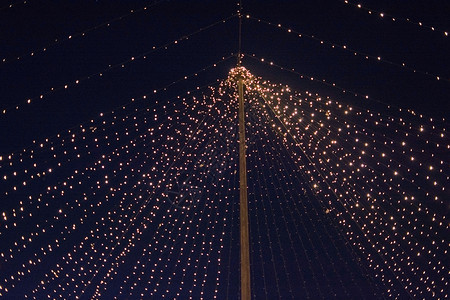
(149, 37)
(34, 25)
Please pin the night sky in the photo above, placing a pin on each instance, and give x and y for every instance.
(118, 69)
(29, 27)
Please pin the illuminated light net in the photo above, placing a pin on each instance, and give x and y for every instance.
(343, 202)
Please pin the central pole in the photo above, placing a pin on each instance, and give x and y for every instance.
(243, 204)
(243, 208)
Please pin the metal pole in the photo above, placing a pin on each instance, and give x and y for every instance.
(243, 208)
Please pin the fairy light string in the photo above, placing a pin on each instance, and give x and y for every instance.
(375, 58)
(82, 33)
(393, 18)
(115, 66)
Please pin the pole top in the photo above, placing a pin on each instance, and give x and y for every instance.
(239, 12)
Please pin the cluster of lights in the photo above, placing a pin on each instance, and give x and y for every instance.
(48, 201)
(279, 196)
(359, 165)
(116, 202)
(348, 49)
(27, 165)
(307, 77)
(343, 90)
(143, 202)
(59, 155)
(394, 19)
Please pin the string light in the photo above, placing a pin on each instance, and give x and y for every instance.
(349, 50)
(114, 66)
(394, 18)
(83, 33)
